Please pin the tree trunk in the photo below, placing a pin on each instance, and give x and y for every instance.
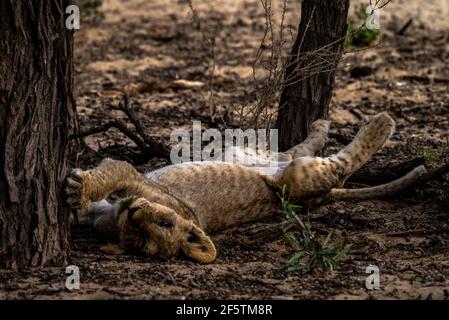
(310, 75)
(37, 113)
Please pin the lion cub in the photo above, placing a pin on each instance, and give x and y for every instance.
(169, 211)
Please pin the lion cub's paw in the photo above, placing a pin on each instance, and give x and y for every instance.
(75, 189)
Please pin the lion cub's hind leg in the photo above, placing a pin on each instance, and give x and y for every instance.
(366, 143)
(314, 142)
(308, 177)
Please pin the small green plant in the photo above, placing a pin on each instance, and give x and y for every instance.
(428, 154)
(310, 251)
(360, 36)
(90, 7)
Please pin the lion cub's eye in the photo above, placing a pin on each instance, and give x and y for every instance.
(166, 224)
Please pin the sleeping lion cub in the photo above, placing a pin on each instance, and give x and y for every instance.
(170, 211)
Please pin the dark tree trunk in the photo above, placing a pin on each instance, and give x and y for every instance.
(307, 93)
(37, 113)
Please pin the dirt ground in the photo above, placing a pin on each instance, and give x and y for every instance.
(142, 47)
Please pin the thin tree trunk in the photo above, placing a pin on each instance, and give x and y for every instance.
(37, 113)
(307, 93)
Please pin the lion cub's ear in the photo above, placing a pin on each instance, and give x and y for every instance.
(112, 249)
(198, 246)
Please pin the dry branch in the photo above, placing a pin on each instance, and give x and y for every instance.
(148, 146)
(404, 28)
(435, 174)
(117, 124)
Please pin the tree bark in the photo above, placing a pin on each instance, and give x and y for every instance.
(37, 114)
(310, 73)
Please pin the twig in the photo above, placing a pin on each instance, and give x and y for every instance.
(117, 124)
(425, 79)
(418, 232)
(131, 116)
(415, 232)
(404, 28)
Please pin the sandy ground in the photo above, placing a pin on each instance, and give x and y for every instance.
(143, 47)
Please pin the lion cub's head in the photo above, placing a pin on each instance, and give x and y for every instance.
(153, 229)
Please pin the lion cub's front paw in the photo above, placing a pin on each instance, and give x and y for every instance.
(75, 189)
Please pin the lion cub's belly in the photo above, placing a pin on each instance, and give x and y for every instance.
(221, 194)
